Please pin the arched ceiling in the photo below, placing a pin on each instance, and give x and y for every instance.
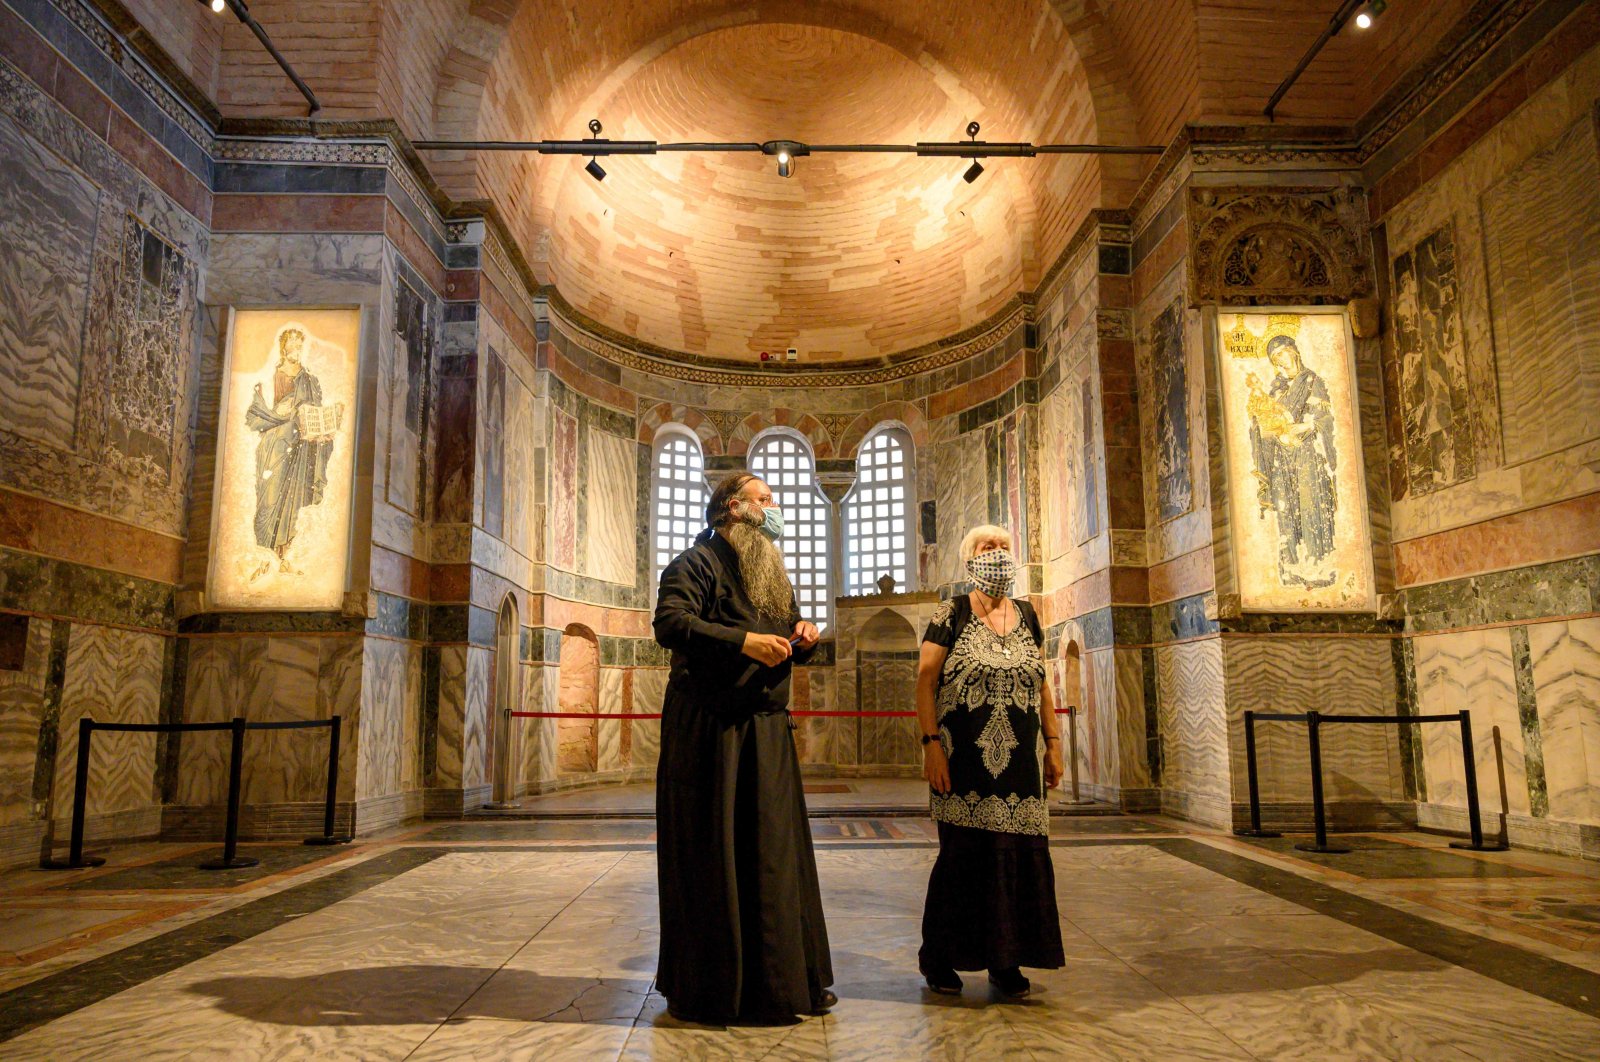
(856, 256)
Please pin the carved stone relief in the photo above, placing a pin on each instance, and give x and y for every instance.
(1252, 247)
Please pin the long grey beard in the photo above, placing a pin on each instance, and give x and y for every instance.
(761, 569)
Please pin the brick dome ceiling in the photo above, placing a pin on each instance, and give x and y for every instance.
(856, 256)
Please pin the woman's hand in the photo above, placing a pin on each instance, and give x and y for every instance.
(768, 649)
(807, 634)
(1053, 767)
(935, 768)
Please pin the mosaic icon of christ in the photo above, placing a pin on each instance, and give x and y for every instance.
(292, 455)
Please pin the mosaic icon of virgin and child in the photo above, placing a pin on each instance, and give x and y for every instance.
(297, 434)
(1292, 442)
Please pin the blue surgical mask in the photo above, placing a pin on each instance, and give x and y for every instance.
(772, 522)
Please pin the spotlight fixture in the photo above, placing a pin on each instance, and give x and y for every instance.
(219, 5)
(785, 151)
(976, 169)
(594, 169)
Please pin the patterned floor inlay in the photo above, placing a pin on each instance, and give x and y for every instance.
(1378, 857)
(518, 940)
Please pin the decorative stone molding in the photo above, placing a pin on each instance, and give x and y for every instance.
(1254, 246)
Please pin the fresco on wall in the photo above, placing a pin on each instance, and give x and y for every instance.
(1294, 461)
(457, 430)
(282, 523)
(1170, 393)
(1433, 365)
(408, 397)
(494, 447)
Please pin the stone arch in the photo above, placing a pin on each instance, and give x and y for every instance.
(578, 740)
(665, 415)
(903, 414)
(802, 424)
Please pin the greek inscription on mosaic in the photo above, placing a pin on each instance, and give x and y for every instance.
(1174, 484)
(1294, 461)
(284, 472)
(1433, 365)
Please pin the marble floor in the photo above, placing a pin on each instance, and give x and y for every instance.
(537, 939)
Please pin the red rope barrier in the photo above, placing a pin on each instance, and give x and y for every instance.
(657, 715)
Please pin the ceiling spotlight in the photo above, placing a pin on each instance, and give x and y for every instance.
(786, 152)
(1370, 13)
(594, 169)
(219, 5)
(1363, 21)
(973, 172)
(785, 164)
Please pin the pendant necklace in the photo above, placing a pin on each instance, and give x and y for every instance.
(999, 645)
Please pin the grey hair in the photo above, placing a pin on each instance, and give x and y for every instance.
(969, 545)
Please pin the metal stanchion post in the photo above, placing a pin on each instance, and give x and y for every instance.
(1318, 810)
(230, 844)
(1505, 803)
(1469, 767)
(330, 806)
(1254, 780)
(76, 860)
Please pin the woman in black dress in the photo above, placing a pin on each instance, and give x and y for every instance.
(985, 709)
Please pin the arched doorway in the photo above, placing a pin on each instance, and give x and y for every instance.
(578, 740)
(504, 750)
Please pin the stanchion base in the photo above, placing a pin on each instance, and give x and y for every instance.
(67, 864)
(328, 840)
(1486, 847)
(1247, 832)
(229, 864)
(1325, 849)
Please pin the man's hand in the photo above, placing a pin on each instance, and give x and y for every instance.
(935, 768)
(1053, 767)
(807, 634)
(768, 649)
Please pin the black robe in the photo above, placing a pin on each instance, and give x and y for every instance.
(742, 933)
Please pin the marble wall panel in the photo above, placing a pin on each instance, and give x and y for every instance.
(112, 676)
(493, 447)
(1192, 712)
(283, 682)
(610, 546)
(960, 499)
(405, 396)
(1566, 673)
(1542, 241)
(381, 733)
(22, 705)
(1470, 670)
(47, 226)
(1346, 676)
(449, 770)
(564, 491)
(1116, 720)
(609, 731)
(520, 446)
(649, 690)
(475, 721)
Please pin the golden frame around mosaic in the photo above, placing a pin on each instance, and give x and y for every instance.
(281, 511)
(1300, 530)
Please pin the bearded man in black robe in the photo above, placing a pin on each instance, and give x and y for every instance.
(742, 933)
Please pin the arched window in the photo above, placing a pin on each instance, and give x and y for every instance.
(784, 463)
(877, 515)
(678, 497)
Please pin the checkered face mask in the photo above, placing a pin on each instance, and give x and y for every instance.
(993, 572)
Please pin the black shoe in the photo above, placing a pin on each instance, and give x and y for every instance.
(1010, 982)
(824, 1002)
(944, 981)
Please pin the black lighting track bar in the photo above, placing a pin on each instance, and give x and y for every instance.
(1335, 24)
(964, 149)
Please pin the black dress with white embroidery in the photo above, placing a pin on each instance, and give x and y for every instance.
(991, 897)
(988, 710)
